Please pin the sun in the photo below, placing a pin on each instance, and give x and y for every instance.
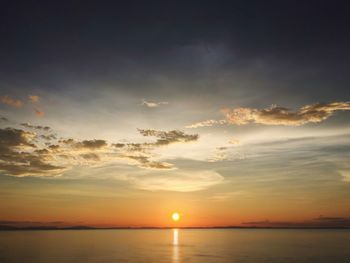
(175, 216)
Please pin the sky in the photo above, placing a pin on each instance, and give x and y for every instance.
(230, 112)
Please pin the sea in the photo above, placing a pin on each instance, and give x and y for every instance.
(176, 245)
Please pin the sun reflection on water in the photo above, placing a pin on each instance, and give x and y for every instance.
(175, 245)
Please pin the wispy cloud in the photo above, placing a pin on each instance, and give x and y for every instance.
(33, 99)
(144, 161)
(345, 175)
(153, 104)
(11, 102)
(220, 154)
(179, 181)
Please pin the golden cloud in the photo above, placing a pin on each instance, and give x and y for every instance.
(276, 115)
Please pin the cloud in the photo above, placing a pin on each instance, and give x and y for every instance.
(91, 156)
(48, 137)
(226, 196)
(39, 113)
(42, 154)
(10, 137)
(140, 153)
(19, 156)
(85, 144)
(144, 161)
(152, 104)
(276, 115)
(28, 153)
(345, 175)
(234, 142)
(36, 127)
(220, 154)
(118, 145)
(33, 98)
(176, 180)
(207, 123)
(165, 138)
(11, 102)
(3, 119)
(226, 153)
(91, 144)
(19, 103)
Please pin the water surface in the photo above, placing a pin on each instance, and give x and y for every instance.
(171, 245)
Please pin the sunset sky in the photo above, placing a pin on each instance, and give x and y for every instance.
(118, 114)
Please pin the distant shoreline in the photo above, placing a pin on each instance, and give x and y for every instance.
(12, 228)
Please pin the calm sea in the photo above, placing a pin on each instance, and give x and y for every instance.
(171, 245)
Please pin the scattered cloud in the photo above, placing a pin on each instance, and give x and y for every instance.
(141, 153)
(39, 113)
(33, 98)
(206, 123)
(165, 138)
(36, 127)
(35, 151)
(11, 102)
(153, 104)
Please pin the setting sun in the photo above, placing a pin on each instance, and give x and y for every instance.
(175, 216)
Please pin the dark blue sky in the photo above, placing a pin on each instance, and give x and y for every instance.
(47, 44)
